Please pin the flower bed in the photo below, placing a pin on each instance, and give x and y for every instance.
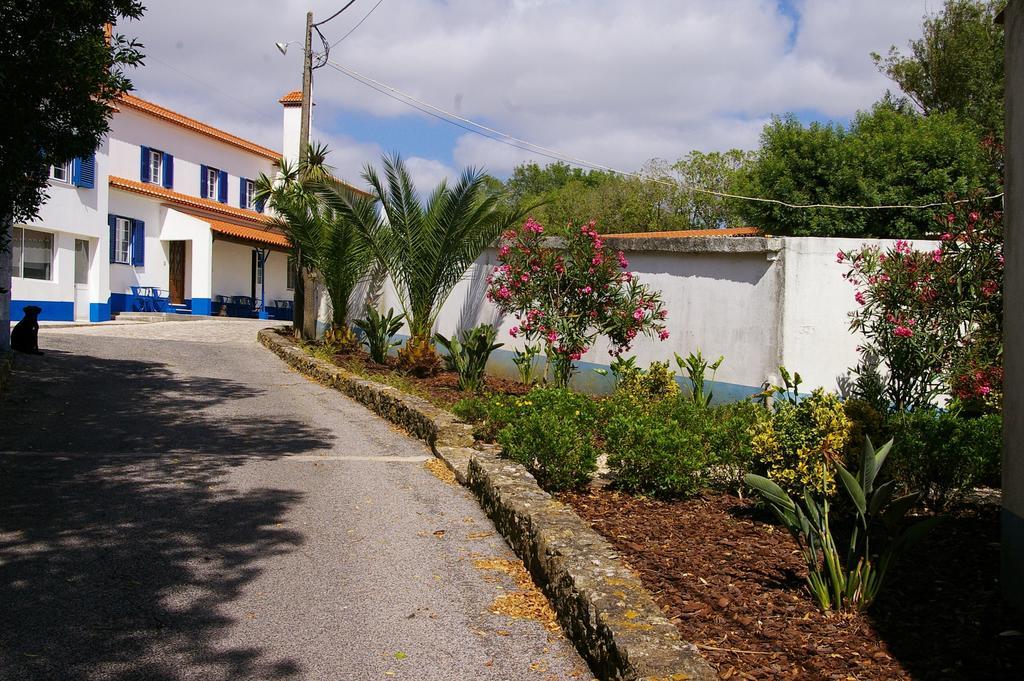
(732, 582)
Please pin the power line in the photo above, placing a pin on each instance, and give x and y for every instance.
(525, 145)
(365, 17)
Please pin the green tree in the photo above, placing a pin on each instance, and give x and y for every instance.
(889, 155)
(956, 66)
(717, 171)
(305, 198)
(60, 76)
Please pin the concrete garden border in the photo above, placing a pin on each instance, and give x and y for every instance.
(601, 604)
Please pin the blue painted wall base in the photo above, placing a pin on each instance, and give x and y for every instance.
(53, 310)
(202, 306)
(99, 312)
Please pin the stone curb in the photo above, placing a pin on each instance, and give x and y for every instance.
(6, 366)
(601, 604)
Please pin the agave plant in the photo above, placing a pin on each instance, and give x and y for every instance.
(378, 330)
(330, 241)
(427, 246)
(468, 357)
(853, 581)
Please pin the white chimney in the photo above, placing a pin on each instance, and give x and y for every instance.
(291, 126)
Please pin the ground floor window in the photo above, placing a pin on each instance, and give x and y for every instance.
(32, 253)
(290, 278)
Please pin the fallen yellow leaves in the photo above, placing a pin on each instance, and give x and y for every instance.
(527, 602)
(440, 470)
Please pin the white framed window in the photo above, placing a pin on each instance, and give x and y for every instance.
(250, 194)
(156, 166)
(260, 264)
(32, 254)
(212, 183)
(123, 241)
(61, 172)
(290, 276)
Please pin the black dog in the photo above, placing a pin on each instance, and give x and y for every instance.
(25, 335)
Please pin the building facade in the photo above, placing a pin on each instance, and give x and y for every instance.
(162, 217)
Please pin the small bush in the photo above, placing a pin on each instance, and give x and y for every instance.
(865, 421)
(798, 441)
(468, 356)
(945, 455)
(651, 453)
(551, 432)
(489, 414)
(656, 383)
(727, 434)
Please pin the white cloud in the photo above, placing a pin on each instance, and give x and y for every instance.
(605, 80)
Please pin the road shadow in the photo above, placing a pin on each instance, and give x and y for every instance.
(116, 563)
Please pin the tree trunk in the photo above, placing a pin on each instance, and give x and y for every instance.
(298, 296)
(6, 268)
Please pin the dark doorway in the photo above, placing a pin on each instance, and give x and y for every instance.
(176, 278)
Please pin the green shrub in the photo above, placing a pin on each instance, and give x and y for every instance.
(656, 383)
(727, 433)
(797, 440)
(865, 421)
(489, 414)
(945, 455)
(551, 431)
(650, 453)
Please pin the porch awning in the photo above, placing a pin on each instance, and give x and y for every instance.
(254, 234)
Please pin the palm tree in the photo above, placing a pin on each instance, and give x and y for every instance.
(426, 246)
(330, 243)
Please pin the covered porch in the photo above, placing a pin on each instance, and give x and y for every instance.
(225, 268)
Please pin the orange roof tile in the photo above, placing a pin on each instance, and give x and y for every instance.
(178, 199)
(732, 231)
(292, 98)
(249, 233)
(142, 105)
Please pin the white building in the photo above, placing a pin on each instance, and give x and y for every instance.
(162, 216)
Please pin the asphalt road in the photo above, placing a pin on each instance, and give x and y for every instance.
(176, 504)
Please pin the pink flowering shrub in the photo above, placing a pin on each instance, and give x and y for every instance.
(567, 295)
(935, 318)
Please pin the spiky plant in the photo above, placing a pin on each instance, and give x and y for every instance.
(331, 243)
(427, 246)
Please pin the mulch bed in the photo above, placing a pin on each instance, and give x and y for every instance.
(442, 389)
(733, 583)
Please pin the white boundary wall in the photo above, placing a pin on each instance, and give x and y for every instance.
(762, 302)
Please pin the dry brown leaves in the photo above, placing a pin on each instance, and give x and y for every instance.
(439, 469)
(527, 602)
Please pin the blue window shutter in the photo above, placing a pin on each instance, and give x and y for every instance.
(222, 187)
(144, 170)
(259, 204)
(112, 221)
(202, 182)
(241, 193)
(138, 243)
(84, 172)
(168, 171)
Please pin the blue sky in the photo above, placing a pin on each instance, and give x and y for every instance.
(616, 83)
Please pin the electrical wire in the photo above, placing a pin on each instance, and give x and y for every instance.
(365, 17)
(525, 145)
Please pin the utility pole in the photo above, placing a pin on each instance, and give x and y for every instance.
(299, 293)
